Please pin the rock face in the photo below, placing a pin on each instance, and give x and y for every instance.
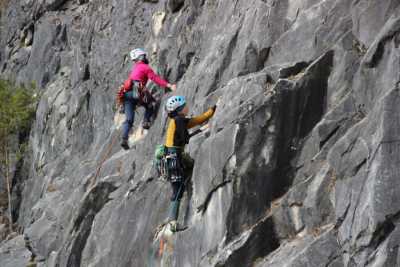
(301, 165)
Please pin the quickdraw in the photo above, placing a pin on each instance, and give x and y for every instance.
(169, 167)
(125, 87)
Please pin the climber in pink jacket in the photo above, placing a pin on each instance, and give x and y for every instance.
(142, 72)
(134, 93)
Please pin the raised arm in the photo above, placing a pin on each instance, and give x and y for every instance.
(201, 118)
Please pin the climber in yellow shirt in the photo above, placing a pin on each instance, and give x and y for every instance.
(177, 137)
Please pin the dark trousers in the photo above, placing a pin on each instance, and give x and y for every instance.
(185, 167)
(130, 104)
(177, 190)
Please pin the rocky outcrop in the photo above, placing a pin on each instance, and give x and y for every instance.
(14, 252)
(301, 163)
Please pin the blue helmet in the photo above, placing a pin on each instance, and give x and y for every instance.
(174, 103)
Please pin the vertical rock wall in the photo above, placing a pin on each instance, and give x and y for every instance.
(300, 167)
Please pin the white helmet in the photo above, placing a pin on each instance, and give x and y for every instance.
(135, 54)
(174, 103)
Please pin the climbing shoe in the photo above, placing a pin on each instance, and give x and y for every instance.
(146, 125)
(174, 226)
(121, 109)
(125, 144)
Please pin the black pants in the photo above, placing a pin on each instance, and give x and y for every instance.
(185, 167)
(130, 104)
(177, 190)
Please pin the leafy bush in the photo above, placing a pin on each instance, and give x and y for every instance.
(17, 110)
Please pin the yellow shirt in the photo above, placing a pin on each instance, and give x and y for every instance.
(177, 132)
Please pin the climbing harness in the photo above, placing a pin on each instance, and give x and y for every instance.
(125, 87)
(160, 162)
(139, 91)
(167, 164)
(169, 167)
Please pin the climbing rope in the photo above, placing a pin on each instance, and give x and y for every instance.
(106, 156)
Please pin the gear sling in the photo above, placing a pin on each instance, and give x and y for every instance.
(139, 91)
(168, 164)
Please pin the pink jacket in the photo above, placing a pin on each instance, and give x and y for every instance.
(142, 72)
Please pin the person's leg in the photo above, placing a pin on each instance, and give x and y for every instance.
(174, 211)
(148, 104)
(177, 190)
(148, 113)
(174, 208)
(187, 165)
(129, 105)
(177, 193)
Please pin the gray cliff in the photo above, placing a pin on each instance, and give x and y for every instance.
(301, 165)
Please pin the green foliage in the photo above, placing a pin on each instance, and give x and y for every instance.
(17, 108)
